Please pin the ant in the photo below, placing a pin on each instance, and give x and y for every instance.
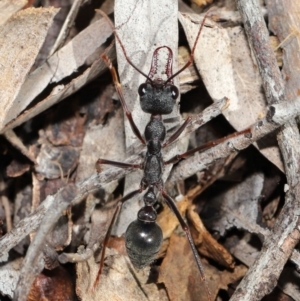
(143, 237)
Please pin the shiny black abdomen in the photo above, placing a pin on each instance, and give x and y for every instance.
(143, 241)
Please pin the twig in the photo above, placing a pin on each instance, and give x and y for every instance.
(5, 204)
(262, 277)
(278, 114)
(32, 259)
(11, 136)
(23, 228)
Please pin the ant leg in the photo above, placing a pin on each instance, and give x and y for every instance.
(191, 58)
(118, 88)
(114, 218)
(170, 202)
(117, 164)
(205, 146)
(178, 132)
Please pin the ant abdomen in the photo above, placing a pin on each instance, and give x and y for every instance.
(143, 241)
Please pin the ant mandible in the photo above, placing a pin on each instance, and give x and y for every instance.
(143, 237)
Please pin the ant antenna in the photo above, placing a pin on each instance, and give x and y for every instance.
(191, 59)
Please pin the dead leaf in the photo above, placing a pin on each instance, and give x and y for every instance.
(119, 281)
(231, 73)
(20, 38)
(54, 285)
(56, 161)
(63, 63)
(237, 207)
(167, 219)
(92, 149)
(205, 243)
(180, 274)
(60, 92)
(9, 7)
(16, 168)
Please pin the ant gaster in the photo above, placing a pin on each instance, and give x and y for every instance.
(143, 236)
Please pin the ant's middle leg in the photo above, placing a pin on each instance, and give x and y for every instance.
(207, 145)
(117, 164)
(118, 88)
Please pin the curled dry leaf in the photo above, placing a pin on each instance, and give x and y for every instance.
(20, 38)
(180, 274)
(16, 168)
(64, 62)
(203, 240)
(205, 243)
(61, 92)
(56, 161)
(168, 221)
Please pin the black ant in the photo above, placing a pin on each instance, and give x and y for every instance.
(144, 237)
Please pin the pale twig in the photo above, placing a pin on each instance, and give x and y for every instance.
(262, 277)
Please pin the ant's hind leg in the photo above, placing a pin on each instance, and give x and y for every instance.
(171, 204)
(113, 220)
(118, 87)
(117, 164)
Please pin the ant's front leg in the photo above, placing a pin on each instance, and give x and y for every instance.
(118, 87)
(117, 164)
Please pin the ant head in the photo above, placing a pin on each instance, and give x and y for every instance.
(157, 98)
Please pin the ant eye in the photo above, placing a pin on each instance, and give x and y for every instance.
(142, 89)
(174, 92)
